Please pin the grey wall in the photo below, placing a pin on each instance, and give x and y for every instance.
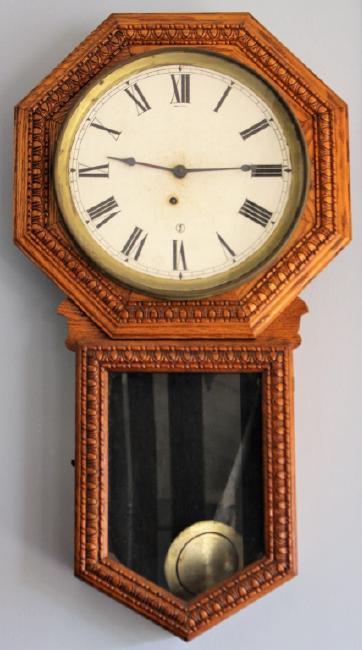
(42, 606)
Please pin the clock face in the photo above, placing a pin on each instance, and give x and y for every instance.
(180, 173)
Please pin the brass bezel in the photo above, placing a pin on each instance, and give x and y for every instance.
(194, 288)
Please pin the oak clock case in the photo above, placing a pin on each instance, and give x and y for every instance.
(181, 173)
(182, 178)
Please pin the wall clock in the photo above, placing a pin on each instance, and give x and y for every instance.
(182, 177)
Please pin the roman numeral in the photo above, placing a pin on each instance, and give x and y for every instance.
(135, 243)
(266, 170)
(255, 212)
(136, 94)
(100, 171)
(255, 128)
(104, 209)
(181, 89)
(179, 257)
(96, 124)
(227, 250)
(222, 99)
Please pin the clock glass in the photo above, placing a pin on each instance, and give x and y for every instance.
(186, 495)
(181, 173)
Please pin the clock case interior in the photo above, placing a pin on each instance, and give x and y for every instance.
(185, 448)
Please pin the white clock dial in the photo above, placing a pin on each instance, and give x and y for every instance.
(182, 175)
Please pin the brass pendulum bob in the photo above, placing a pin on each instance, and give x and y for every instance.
(209, 551)
(202, 555)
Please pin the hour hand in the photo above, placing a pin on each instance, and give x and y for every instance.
(128, 161)
(131, 162)
(179, 171)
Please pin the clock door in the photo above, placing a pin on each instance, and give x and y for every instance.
(185, 476)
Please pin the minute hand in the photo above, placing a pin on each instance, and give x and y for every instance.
(260, 170)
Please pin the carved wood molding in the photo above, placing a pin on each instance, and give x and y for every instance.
(284, 328)
(94, 565)
(324, 228)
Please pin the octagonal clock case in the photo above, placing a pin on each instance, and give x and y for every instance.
(181, 177)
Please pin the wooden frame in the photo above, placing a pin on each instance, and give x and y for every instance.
(246, 311)
(97, 355)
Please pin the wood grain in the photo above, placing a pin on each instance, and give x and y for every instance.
(246, 311)
(97, 356)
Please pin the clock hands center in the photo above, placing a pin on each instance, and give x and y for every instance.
(180, 171)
